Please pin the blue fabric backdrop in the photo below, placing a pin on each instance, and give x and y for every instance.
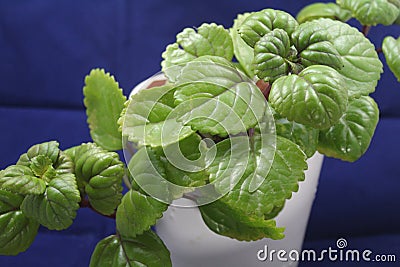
(46, 49)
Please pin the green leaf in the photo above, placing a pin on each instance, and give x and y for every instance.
(350, 137)
(397, 4)
(323, 10)
(317, 97)
(17, 232)
(61, 163)
(226, 220)
(20, 179)
(210, 39)
(243, 53)
(270, 55)
(9, 201)
(137, 213)
(56, 208)
(99, 175)
(104, 102)
(217, 99)
(184, 162)
(371, 12)
(286, 171)
(304, 136)
(361, 66)
(144, 250)
(147, 120)
(391, 50)
(262, 22)
(314, 46)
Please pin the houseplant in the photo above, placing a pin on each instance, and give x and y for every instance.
(91, 186)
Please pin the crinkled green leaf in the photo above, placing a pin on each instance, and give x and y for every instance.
(317, 97)
(99, 175)
(270, 55)
(20, 179)
(144, 250)
(262, 22)
(137, 213)
(228, 221)
(371, 12)
(104, 102)
(217, 99)
(397, 4)
(304, 136)
(323, 10)
(60, 162)
(17, 232)
(361, 66)
(243, 53)
(56, 208)
(350, 137)
(314, 46)
(147, 120)
(286, 171)
(391, 50)
(208, 39)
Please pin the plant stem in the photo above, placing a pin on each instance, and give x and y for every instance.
(379, 50)
(86, 204)
(264, 87)
(365, 30)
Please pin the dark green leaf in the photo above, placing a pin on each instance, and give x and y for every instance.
(104, 102)
(260, 23)
(350, 137)
(20, 179)
(17, 232)
(391, 50)
(56, 208)
(144, 250)
(323, 10)
(317, 97)
(9, 201)
(137, 213)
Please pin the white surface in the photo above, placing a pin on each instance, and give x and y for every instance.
(192, 244)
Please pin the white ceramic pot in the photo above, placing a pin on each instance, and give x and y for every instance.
(192, 244)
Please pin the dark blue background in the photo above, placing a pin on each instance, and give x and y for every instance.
(46, 49)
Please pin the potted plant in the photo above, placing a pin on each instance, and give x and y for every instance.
(230, 129)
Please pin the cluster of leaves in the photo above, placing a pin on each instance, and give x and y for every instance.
(319, 72)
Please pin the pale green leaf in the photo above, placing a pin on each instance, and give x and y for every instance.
(371, 12)
(147, 120)
(137, 213)
(361, 66)
(243, 53)
(314, 46)
(17, 232)
(323, 10)
(20, 179)
(270, 55)
(56, 208)
(391, 50)
(104, 102)
(208, 39)
(350, 137)
(217, 99)
(317, 97)
(262, 22)
(99, 175)
(228, 221)
(144, 250)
